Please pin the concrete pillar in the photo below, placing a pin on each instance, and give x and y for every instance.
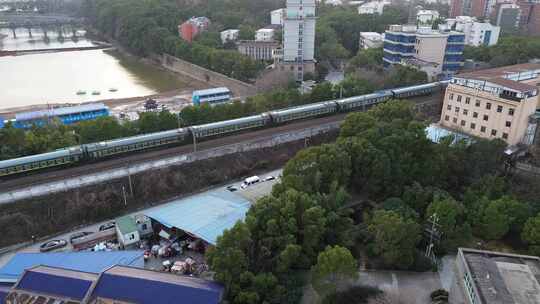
(30, 32)
(14, 33)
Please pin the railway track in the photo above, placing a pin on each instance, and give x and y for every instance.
(52, 175)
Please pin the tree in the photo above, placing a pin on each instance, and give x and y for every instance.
(493, 222)
(531, 234)
(394, 238)
(451, 219)
(335, 266)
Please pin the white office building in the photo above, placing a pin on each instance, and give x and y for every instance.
(299, 36)
(424, 17)
(264, 34)
(370, 40)
(229, 35)
(370, 8)
(476, 33)
(276, 16)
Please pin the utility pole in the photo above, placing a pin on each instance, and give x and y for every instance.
(433, 232)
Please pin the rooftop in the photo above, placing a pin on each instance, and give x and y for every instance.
(503, 278)
(508, 76)
(126, 224)
(435, 133)
(205, 215)
(61, 111)
(212, 91)
(92, 262)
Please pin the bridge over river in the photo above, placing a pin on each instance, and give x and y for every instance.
(43, 23)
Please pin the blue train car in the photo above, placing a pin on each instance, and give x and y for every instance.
(211, 96)
(66, 115)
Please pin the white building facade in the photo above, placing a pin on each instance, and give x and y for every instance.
(276, 16)
(370, 40)
(299, 35)
(229, 35)
(370, 8)
(264, 34)
(476, 33)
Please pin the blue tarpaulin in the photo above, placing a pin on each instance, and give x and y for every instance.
(205, 215)
(93, 262)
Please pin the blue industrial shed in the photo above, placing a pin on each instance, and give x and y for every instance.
(67, 115)
(92, 262)
(205, 215)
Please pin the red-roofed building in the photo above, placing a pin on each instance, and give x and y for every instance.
(191, 28)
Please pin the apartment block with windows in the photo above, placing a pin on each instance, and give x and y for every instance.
(442, 48)
(494, 103)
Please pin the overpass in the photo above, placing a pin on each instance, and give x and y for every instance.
(46, 23)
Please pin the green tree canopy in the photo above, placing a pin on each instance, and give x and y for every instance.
(335, 266)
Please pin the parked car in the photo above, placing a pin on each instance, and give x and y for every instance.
(52, 245)
(107, 226)
(269, 178)
(232, 188)
(78, 235)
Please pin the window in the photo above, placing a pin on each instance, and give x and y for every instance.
(493, 132)
(508, 124)
(459, 98)
(465, 111)
(467, 100)
(449, 107)
(477, 103)
(454, 120)
(447, 118)
(486, 118)
(473, 125)
(457, 109)
(499, 109)
(483, 129)
(475, 114)
(463, 122)
(451, 96)
(488, 106)
(505, 136)
(132, 236)
(511, 112)
(144, 226)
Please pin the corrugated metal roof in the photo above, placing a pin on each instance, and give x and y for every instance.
(52, 284)
(150, 287)
(205, 215)
(435, 133)
(212, 91)
(93, 262)
(61, 111)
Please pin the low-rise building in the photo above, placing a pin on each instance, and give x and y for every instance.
(229, 35)
(371, 8)
(488, 277)
(425, 17)
(126, 231)
(276, 16)
(476, 33)
(193, 27)
(494, 103)
(432, 69)
(258, 50)
(265, 34)
(66, 115)
(444, 48)
(370, 40)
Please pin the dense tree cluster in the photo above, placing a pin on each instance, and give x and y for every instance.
(509, 50)
(382, 155)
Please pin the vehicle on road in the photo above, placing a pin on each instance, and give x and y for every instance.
(107, 226)
(232, 188)
(269, 178)
(52, 245)
(78, 235)
(250, 181)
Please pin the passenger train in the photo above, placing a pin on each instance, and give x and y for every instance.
(97, 151)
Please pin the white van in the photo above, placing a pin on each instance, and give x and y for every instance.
(250, 181)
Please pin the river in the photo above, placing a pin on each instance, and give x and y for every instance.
(57, 77)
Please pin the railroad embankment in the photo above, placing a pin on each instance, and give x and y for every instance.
(62, 211)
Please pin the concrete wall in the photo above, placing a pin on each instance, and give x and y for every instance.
(212, 78)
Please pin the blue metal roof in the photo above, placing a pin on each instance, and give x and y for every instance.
(93, 262)
(1, 126)
(149, 287)
(205, 215)
(212, 91)
(61, 111)
(57, 285)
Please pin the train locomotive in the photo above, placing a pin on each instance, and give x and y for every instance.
(101, 150)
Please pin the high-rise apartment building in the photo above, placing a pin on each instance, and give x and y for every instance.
(299, 37)
(443, 49)
(494, 103)
(474, 8)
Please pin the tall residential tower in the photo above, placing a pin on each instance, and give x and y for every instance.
(299, 37)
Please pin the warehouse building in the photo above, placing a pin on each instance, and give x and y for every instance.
(489, 277)
(66, 115)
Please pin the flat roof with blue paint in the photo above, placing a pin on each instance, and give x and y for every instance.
(93, 262)
(212, 91)
(61, 111)
(435, 133)
(205, 215)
